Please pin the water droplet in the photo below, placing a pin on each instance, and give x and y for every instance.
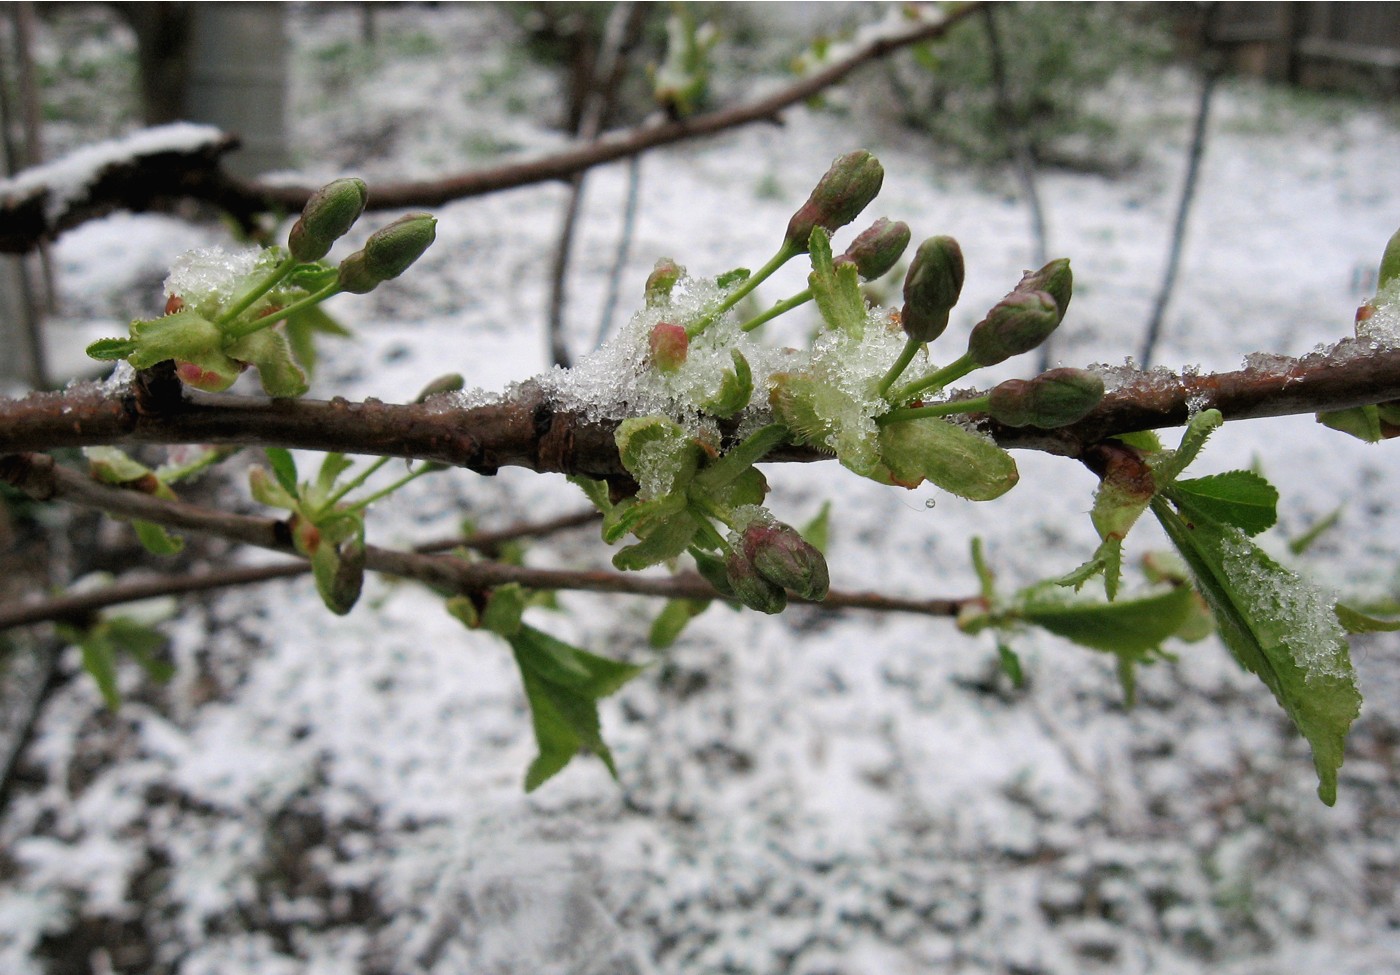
(931, 503)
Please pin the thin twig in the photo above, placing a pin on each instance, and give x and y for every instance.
(1214, 68)
(597, 106)
(23, 222)
(39, 476)
(1023, 162)
(81, 606)
(624, 245)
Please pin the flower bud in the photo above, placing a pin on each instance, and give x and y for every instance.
(847, 188)
(388, 253)
(331, 211)
(931, 288)
(668, 344)
(786, 559)
(751, 588)
(877, 249)
(1053, 399)
(1055, 279)
(662, 280)
(1016, 324)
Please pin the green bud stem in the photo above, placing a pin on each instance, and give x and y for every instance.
(977, 404)
(710, 536)
(411, 476)
(352, 484)
(246, 300)
(906, 356)
(781, 308)
(237, 330)
(785, 254)
(935, 380)
(711, 507)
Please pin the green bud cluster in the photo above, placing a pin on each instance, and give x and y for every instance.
(877, 249)
(770, 560)
(389, 252)
(847, 188)
(1053, 399)
(327, 216)
(931, 288)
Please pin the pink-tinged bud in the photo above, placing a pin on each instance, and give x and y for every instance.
(786, 559)
(877, 249)
(1053, 399)
(327, 216)
(661, 281)
(305, 536)
(847, 188)
(669, 345)
(931, 288)
(173, 304)
(1016, 324)
(1055, 279)
(751, 588)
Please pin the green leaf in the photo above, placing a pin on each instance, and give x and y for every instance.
(504, 608)
(957, 460)
(836, 289)
(596, 491)
(750, 487)
(1355, 621)
(1326, 523)
(729, 279)
(817, 532)
(1168, 465)
(112, 466)
(100, 661)
(672, 619)
(563, 685)
(1124, 626)
(142, 643)
(338, 566)
(277, 369)
(743, 456)
(111, 349)
(1278, 628)
(268, 491)
(1010, 664)
(1361, 422)
(658, 453)
(302, 327)
(156, 540)
(1239, 498)
(735, 389)
(664, 540)
(332, 466)
(284, 468)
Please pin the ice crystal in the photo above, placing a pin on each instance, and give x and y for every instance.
(1302, 614)
(207, 278)
(1381, 329)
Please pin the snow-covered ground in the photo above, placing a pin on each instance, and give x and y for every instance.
(813, 793)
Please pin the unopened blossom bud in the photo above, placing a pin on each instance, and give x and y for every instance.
(931, 288)
(847, 188)
(752, 588)
(786, 559)
(662, 280)
(1053, 399)
(1016, 324)
(1390, 262)
(877, 249)
(669, 345)
(388, 253)
(1055, 279)
(327, 216)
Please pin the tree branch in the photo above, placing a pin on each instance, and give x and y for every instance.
(532, 432)
(25, 220)
(40, 477)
